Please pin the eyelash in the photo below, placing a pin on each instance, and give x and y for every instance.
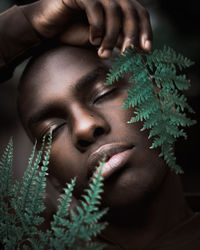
(54, 130)
(58, 126)
(105, 94)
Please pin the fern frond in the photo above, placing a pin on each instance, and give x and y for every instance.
(27, 203)
(28, 183)
(37, 205)
(156, 95)
(169, 56)
(20, 218)
(61, 223)
(94, 246)
(6, 182)
(122, 66)
(84, 222)
(18, 184)
(63, 208)
(6, 178)
(90, 208)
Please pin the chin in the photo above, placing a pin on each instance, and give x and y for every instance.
(133, 187)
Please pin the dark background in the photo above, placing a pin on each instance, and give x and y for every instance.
(175, 23)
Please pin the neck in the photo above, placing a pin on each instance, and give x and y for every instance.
(139, 227)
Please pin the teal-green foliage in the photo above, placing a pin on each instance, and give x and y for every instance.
(22, 202)
(156, 95)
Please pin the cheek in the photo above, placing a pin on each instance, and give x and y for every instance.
(143, 176)
(114, 112)
(118, 119)
(66, 163)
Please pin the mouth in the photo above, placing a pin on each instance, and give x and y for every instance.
(114, 155)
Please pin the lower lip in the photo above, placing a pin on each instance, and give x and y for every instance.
(116, 162)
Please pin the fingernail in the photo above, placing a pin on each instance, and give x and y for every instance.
(127, 46)
(96, 40)
(105, 53)
(147, 45)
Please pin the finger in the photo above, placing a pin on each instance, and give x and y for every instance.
(96, 21)
(95, 16)
(120, 40)
(146, 33)
(130, 25)
(77, 34)
(112, 27)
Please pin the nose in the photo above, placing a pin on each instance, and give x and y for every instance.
(88, 126)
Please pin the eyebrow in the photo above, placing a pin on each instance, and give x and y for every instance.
(49, 110)
(90, 78)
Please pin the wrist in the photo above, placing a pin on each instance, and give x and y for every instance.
(31, 11)
(48, 18)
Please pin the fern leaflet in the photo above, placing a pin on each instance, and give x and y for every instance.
(155, 95)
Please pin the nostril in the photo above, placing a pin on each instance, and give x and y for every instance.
(98, 131)
(84, 143)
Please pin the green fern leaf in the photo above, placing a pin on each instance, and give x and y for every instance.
(6, 178)
(155, 95)
(20, 216)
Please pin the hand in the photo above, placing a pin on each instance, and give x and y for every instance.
(109, 23)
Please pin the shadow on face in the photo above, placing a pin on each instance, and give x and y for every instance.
(63, 90)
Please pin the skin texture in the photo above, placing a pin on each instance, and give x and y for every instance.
(82, 124)
(101, 23)
(63, 90)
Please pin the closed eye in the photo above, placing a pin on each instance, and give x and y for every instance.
(55, 128)
(104, 95)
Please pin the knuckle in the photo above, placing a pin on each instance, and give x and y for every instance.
(94, 4)
(132, 11)
(97, 25)
(110, 40)
(113, 5)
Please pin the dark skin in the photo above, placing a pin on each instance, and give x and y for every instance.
(106, 24)
(87, 117)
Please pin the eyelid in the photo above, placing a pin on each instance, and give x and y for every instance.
(52, 127)
(103, 93)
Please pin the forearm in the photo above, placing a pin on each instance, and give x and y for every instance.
(18, 39)
(22, 27)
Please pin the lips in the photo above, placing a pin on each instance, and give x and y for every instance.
(115, 155)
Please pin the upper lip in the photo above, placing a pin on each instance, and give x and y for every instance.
(105, 152)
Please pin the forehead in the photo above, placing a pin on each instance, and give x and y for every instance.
(58, 72)
(61, 64)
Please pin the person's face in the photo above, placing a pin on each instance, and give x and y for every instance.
(66, 92)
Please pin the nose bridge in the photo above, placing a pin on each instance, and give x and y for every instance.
(82, 117)
(87, 124)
